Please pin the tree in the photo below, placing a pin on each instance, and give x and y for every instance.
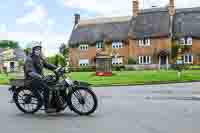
(61, 60)
(27, 49)
(20, 64)
(177, 54)
(64, 51)
(9, 44)
(131, 61)
(58, 60)
(51, 60)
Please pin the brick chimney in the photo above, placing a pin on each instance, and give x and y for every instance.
(135, 8)
(172, 9)
(76, 18)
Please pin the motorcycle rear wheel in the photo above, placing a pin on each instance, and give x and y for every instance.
(24, 98)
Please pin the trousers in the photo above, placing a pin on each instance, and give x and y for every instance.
(40, 84)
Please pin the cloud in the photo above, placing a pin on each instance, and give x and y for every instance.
(102, 7)
(3, 28)
(50, 41)
(122, 7)
(50, 22)
(109, 8)
(29, 3)
(179, 3)
(37, 16)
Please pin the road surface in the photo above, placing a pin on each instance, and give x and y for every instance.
(137, 109)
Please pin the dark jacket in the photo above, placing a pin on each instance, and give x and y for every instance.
(33, 67)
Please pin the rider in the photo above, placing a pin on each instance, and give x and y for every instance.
(33, 69)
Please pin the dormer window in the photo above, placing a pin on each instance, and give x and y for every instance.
(144, 42)
(99, 45)
(186, 41)
(83, 47)
(117, 45)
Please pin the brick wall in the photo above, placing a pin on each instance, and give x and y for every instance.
(156, 45)
(196, 51)
(74, 57)
(124, 52)
(76, 54)
(132, 49)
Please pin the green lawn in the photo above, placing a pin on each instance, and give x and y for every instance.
(137, 77)
(4, 79)
(128, 77)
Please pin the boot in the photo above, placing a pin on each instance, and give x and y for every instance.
(49, 108)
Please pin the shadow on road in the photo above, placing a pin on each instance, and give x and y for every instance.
(42, 115)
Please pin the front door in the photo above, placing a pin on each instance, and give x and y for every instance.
(163, 60)
(12, 66)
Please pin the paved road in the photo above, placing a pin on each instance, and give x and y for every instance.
(139, 109)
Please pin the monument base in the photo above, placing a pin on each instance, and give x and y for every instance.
(103, 73)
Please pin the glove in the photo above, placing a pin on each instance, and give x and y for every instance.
(57, 70)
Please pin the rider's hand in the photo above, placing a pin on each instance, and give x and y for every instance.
(57, 69)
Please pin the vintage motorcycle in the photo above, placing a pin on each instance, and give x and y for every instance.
(64, 92)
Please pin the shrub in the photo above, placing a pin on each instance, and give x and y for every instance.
(118, 67)
(130, 69)
(131, 61)
(181, 67)
(83, 69)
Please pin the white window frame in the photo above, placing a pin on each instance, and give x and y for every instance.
(99, 45)
(186, 58)
(83, 47)
(186, 41)
(144, 60)
(83, 62)
(117, 60)
(117, 44)
(144, 42)
(189, 41)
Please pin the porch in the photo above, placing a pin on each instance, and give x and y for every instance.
(163, 58)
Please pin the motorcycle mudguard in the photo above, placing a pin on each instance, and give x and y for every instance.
(14, 89)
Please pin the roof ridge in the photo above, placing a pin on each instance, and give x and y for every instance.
(191, 9)
(102, 20)
(98, 20)
(150, 10)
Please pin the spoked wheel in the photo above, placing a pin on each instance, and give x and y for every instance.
(27, 101)
(83, 101)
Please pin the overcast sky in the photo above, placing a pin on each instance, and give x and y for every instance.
(51, 21)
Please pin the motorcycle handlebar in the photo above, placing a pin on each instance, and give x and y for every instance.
(59, 72)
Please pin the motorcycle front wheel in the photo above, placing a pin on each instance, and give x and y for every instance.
(27, 101)
(83, 101)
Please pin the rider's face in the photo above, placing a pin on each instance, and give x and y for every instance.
(37, 51)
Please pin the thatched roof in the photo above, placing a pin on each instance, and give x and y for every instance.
(107, 30)
(187, 22)
(149, 23)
